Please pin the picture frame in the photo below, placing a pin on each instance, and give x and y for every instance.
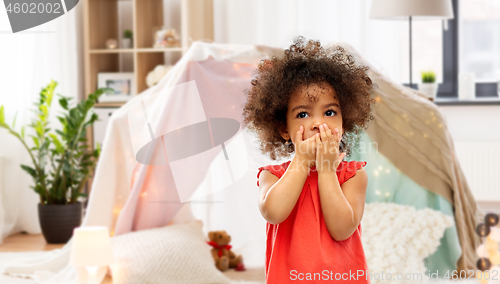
(122, 82)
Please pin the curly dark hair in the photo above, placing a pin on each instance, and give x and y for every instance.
(304, 63)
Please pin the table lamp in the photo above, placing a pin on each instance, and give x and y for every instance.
(91, 249)
(408, 9)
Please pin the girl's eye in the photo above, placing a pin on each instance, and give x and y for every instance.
(330, 111)
(299, 115)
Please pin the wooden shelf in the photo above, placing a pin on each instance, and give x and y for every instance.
(166, 49)
(108, 105)
(118, 50)
(103, 20)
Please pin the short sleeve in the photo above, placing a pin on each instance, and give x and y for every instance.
(276, 170)
(351, 169)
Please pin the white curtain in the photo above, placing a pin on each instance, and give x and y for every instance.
(276, 22)
(29, 60)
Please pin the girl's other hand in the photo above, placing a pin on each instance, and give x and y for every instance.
(305, 150)
(327, 154)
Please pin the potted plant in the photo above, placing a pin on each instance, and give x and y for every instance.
(127, 39)
(61, 161)
(429, 87)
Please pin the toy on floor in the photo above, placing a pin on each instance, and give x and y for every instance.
(223, 256)
(488, 252)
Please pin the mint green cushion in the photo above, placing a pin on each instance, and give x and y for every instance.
(387, 184)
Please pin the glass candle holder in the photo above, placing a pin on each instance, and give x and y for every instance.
(466, 86)
(111, 43)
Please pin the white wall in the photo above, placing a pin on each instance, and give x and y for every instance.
(481, 123)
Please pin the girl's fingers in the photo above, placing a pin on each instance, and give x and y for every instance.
(334, 135)
(330, 134)
(317, 139)
(298, 135)
(322, 131)
(317, 143)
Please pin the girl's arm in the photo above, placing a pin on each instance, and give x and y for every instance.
(342, 207)
(278, 196)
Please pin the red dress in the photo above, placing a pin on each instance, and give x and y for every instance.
(300, 248)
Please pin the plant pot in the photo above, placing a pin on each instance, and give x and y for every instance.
(58, 221)
(428, 89)
(126, 43)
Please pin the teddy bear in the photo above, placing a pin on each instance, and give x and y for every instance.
(224, 258)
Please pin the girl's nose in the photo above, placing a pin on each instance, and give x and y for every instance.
(317, 124)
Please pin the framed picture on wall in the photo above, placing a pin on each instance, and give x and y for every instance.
(123, 84)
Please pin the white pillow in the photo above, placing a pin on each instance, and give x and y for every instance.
(171, 254)
(397, 238)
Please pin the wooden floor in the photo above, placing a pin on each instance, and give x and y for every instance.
(29, 242)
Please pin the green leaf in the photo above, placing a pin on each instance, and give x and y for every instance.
(97, 151)
(52, 86)
(60, 133)
(30, 171)
(57, 143)
(45, 112)
(39, 128)
(22, 131)
(64, 103)
(2, 117)
(14, 121)
(36, 141)
(70, 122)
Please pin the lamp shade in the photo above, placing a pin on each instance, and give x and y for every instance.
(402, 9)
(91, 247)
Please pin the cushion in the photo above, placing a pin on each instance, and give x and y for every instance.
(172, 254)
(397, 238)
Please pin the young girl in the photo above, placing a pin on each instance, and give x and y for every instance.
(313, 102)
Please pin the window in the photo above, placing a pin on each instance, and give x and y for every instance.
(476, 29)
(427, 49)
(479, 38)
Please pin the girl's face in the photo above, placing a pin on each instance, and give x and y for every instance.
(325, 109)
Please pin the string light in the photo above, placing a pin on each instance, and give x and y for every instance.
(492, 259)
